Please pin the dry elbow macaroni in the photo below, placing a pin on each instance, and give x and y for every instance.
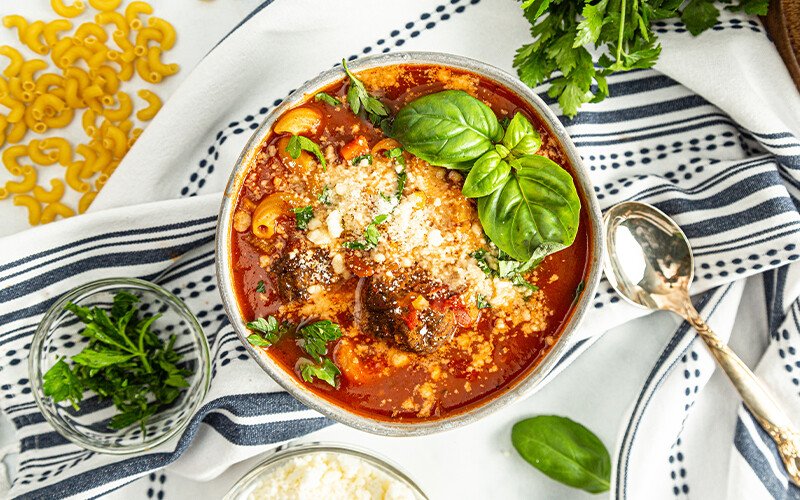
(91, 61)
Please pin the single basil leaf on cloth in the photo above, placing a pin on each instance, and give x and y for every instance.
(446, 128)
(520, 137)
(488, 173)
(537, 204)
(564, 450)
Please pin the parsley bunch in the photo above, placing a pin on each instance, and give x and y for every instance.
(125, 361)
(564, 30)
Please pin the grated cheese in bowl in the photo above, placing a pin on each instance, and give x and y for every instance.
(320, 471)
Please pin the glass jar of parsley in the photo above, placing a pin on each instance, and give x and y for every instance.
(119, 365)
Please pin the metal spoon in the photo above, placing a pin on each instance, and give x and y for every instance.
(649, 262)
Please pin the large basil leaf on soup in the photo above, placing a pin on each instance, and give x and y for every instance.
(446, 128)
(538, 204)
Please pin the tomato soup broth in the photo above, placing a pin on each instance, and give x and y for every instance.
(461, 335)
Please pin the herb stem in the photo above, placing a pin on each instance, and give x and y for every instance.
(623, 8)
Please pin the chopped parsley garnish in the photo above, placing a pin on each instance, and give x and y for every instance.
(357, 160)
(358, 98)
(325, 196)
(327, 98)
(297, 144)
(481, 302)
(302, 216)
(371, 235)
(261, 287)
(268, 331)
(315, 338)
(396, 154)
(504, 267)
(326, 371)
(124, 360)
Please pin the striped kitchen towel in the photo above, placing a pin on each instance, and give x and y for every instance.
(711, 139)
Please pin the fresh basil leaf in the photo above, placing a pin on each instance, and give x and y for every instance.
(537, 204)
(327, 98)
(520, 137)
(446, 128)
(488, 174)
(565, 451)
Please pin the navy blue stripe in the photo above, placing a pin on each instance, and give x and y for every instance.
(111, 260)
(746, 241)
(746, 446)
(627, 132)
(242, 22)
(114, 234)
(124, 243)
(751, 215)
(135, 466)
(637, 112)
(623, 139)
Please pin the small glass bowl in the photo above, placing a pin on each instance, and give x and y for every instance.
(244, 487)
(59, 335)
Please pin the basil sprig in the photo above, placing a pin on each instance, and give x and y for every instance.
(565, 451)
(527, 204)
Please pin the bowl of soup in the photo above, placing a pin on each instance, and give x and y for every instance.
(408, 242)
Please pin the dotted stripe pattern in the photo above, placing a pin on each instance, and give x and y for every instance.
(661, 27)
(397, 38)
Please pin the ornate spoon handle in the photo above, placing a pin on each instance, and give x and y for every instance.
(754, 395)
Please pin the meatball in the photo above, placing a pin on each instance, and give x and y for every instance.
(298, 270)
(408, 311)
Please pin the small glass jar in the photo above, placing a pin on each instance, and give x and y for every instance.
(59, 335)
(246, 486)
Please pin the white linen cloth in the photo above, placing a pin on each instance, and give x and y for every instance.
(700, 138)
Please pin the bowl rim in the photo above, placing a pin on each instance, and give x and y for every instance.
(295, 449)
(525, 383)
(44, 328)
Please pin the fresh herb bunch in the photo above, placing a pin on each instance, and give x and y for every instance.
(565, 30)
(358, 98)
(125, 361)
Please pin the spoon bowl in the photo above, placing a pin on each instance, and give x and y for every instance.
(649, 261)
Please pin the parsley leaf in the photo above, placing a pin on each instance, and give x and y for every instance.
(268, 328)
(565, 33)
(504, 267)
(302, 216)
(358, 98)
(327, 98)
(481, 302)
(325, 196)
(315, 337)
(371, 235)
(326, 371)
(124, 361)
(357, 160)
(61, 384)
(297, 144)
(261, 287)
(396, 154)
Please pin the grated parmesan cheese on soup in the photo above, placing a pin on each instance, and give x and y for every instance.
(330, 476)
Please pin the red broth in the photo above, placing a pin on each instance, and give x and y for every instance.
(483, 358)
